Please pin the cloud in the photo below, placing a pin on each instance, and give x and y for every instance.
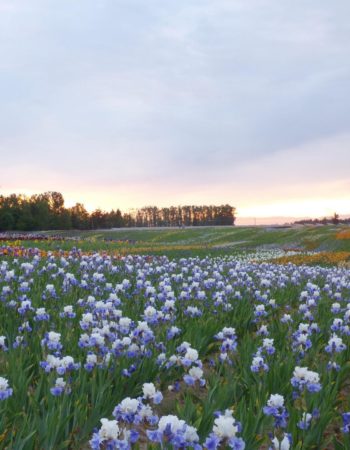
(140, 95)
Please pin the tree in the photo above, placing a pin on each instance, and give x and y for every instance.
(335, 219)
(79, 217)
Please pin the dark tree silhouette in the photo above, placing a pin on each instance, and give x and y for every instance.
(47, 211)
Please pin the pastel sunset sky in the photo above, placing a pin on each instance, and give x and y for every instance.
(130, 103)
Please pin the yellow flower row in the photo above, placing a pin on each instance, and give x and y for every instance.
(332, 258)
(18, 251)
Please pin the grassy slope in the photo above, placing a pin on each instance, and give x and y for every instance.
(216, 240)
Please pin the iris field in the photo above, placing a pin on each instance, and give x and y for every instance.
(224, 350)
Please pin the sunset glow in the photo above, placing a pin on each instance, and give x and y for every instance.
(159, 112)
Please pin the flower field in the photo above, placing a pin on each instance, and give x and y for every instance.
(328, 258)
(106, 352)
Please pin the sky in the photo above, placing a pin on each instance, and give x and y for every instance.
(130, 103)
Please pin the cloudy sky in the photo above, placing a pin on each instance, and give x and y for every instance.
(128, 103)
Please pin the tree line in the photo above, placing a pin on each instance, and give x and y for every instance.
(334, 220)
(47, 212)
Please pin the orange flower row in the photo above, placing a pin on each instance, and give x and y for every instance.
(344, 234)
(329, 258)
